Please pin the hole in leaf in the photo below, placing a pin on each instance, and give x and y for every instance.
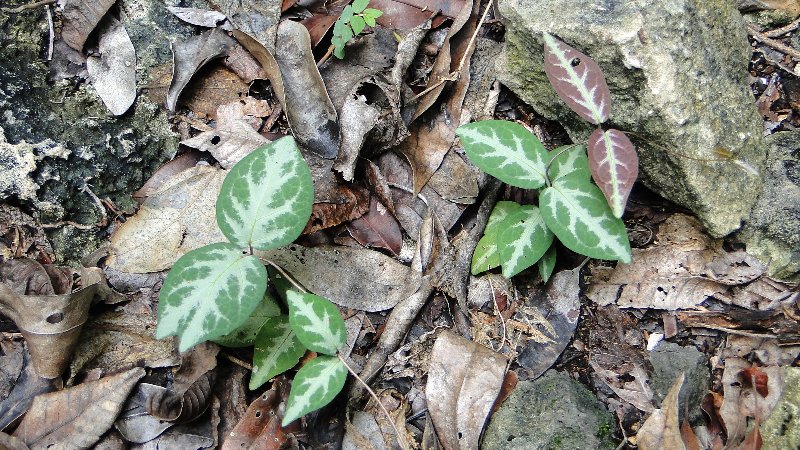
(575, 62)
(55, 318)
(258, 414)
(215, 140)
(460, 435)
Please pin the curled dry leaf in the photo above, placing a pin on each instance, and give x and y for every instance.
(196, 16)
(80, 18)
(189, 56)
(134, 423)
(352, 277)
(336, 205)
(260, 426)
(191, 390)
(463, 382)
(76, 417)
(113, 73)
(26, 387)
(661, 430)
(176, 218)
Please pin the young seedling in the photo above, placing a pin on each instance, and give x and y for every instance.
(354, 19)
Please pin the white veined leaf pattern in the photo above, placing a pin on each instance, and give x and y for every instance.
(266, 198)
(486, 255)
(277, 350)
(314, 386)
(570, 160)
(209, 292)
(577, 79)
(580, 217)
(614, 165)
(523, 240)
(317, 322)
(547, 264)
(506, 151)
(245, 334)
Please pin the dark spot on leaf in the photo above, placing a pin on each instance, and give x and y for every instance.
(55, 318)
(258, 414)
(575, 62)
(460, 435)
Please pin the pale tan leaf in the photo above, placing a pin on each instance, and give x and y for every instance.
(113, 73)
(661, 430)
(189, 56)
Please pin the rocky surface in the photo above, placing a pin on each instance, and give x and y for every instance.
(771, 233)
(782, 428)
(669, 360)
(552, 412)
(677, 72)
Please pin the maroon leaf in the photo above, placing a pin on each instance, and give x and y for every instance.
(577, 79)
(614, 165)
(378, 228)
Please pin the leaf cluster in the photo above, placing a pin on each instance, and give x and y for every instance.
(354, 18)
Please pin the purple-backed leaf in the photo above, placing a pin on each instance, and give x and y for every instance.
(614, 165)
(577, 79)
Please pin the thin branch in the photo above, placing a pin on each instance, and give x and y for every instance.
(736, 332)
(52, 33)
(33, 5)
(777, 32)
(777, 45)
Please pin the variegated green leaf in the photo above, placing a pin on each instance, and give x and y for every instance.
(547, 264)
(570, 160)
(505, 150)
(277, 350)
(266, 198)
(578, 214)
(314, 386)
(245, 334)
(208, 293)
(486, 255)
(523, 240)
(317, 322)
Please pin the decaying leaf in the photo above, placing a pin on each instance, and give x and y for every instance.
(26, 387)
(196, 16)
(189, 56)
(191, 391)
(166, 172)
(232, 139)
(335, 204)
(355, 278)
(9, 442)
(260, 426)
(741, 401)
(633, 386)
(463, 382)
(134, 423)
(256, 18)
(682, 271)
(76, 417)
(661, 430)
(113, 73)
(175, 219)
(377, 228)
(80, 18)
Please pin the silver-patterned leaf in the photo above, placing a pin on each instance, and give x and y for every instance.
(569, 160)
(277, 350)
(314, 386)
(487, 255)
(547, 264)
(614, 165)
(245, 334)
(266, 199)
(505, 150)
(523, 240)
(317, 322)
(578, 214)
(208, 293)
(577, 79)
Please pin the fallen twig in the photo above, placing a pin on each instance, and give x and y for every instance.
(777, 45)
(33, 5)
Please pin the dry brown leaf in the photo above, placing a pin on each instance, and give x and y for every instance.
(113, 73)
(134, 423)
(175, 219)
(356, 278)
(8, 442)
(165, 173)
(218, 86)
(189, 56)
(682, 271)
(234, 136)
(455, 180)
(76, 417)
(242, 63)
(633, 387)
(26, 387)
(405, 15)
(80, 18)
(260, 427)
(463, 382)
(191, 390)
(338, 204)
(377, 228)
(661, 430)
(741, 402)
(256, 18)
(196, 16)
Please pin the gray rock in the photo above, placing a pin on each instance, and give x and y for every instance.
(772, 234)
(782, 429)
(553, 412)
(669, 360)
(677, 72)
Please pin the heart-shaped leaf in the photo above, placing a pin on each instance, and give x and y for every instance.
(245, 334)
(370, 14)
(317, 322)
(314, 386)
(569, 160)
(277, 350)
(578, 214)
(547, 264)
(614, 165)
(524, 238)
(505, 150)
(266, 198)
(487, 255)
(208, 293)
(577, 79)
(359, 5)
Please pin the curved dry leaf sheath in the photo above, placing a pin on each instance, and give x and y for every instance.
(189, 56)
(614, 165)
(577, 79)
(80, 18)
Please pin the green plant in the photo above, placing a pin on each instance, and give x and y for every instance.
(354, 18)
(585, 217)
(219, 292)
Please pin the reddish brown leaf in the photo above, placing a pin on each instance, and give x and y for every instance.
(377, 228)
(403, 15)
(80, 18)
(260, 428)
(577, 79)
(78, 416)
(614, 164)
(753, 377)
(689, 437)
(339, 205)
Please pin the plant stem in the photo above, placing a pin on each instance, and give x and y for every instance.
(400, 440)
(285, 274)
(549, 163)
(326, 56)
